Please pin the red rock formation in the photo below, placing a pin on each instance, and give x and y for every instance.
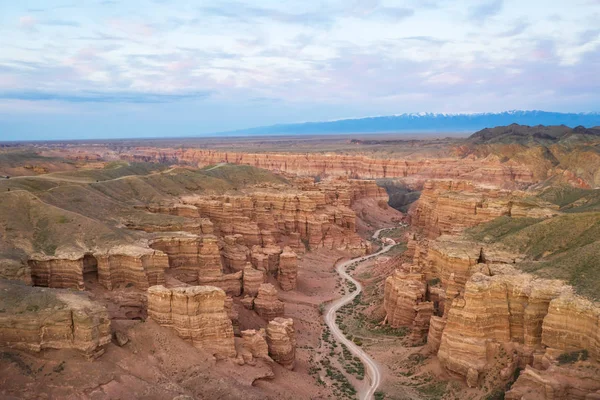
(261, 218)
(323, 164)
(253, 279)
(267, 303)
(230, 283)
(288, 269)
(191, 257)
(234, 253)
(281, 339)
(494, 312)
(254, 346)
(197, 314)
(38, 318)
(448, 207)
(406, 305)
(120, 266)
(139, 266)
(569, 382)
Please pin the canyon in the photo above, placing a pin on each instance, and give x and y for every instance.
(231, 257)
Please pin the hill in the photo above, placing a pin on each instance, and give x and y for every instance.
(539, 134)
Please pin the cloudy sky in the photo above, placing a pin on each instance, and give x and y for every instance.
(103, 68)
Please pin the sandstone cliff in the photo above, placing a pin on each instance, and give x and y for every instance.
(319, 164)
(38, 318)
(267, 303)
(448, 207)
(281, 339)
(197, 314)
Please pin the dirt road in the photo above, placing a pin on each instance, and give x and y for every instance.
(373, 371)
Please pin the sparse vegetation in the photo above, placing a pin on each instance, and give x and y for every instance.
(573, 356)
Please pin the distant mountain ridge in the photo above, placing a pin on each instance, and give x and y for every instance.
(539, 134)
(427, 122)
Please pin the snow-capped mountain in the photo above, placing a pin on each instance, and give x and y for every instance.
(431, 122)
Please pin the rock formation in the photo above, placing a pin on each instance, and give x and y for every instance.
(35, 319)
(405, 303)
(281, 339)
(267, 303)
(448, 207)
(197, 314)
(254, 345)
(253, 279)
(288, 269)
(191, 257)
(124, 265)
(323, 164)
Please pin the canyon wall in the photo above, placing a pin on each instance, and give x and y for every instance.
(119, 266)
(197, 314)
(448, 207)
(355, 166)
(35, 319)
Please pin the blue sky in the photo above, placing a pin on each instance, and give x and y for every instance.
(102, 68)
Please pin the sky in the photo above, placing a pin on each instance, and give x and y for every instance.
(109, 69)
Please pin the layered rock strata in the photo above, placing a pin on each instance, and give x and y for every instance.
(138, 266)
(262, 218)
(253, 279)
(267, 303)
(406, 305)
(281, 339)
(35, 319)
(254, 346)
(288, 269)
(448, 207)
(197, 314)
(191, 257)
(324, 164)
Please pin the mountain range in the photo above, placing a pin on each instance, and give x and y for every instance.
(426, 122)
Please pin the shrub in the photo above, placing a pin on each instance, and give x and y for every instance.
(569, 358)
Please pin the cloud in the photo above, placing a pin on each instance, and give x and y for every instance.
(102, 97)
(394, 13)
(28, 22)
(519, 27)
(248, 14)
(486, 10)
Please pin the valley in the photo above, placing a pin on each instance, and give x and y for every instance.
(303, 268)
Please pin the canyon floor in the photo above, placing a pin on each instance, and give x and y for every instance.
(208, 268)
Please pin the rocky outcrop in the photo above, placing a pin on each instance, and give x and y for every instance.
(131, 265)
(572, 323)
(324, 164)
(281, 339)
(254, 346)
(405, 303)
(191, 257)
(230, 283)
(197, 314)
(497, 315)
(318, 217)
(448, 207)
(65, 272)
(288, 269)
(580, 381)
(137, 266)
(35, 319)
(253, 279)
(267, 303)
(234, 253)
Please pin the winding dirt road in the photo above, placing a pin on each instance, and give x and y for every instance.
(373, 371)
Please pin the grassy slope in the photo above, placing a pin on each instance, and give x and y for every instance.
(42, 215)
(565, 247)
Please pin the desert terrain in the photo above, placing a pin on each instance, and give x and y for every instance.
(307, 267)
